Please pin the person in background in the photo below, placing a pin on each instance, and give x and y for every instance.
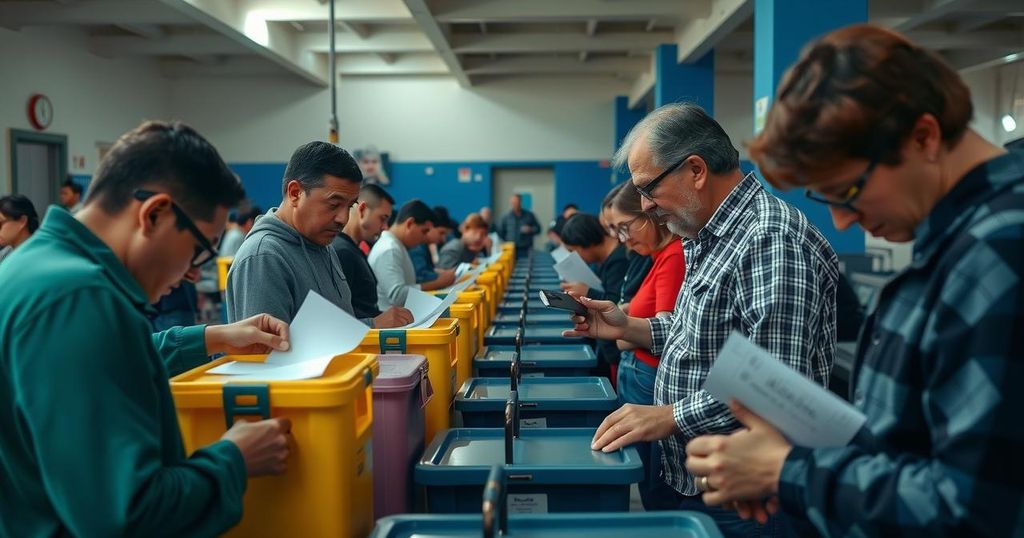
(466, 248)
(655, 297)
(91, 443)
(424, 256)
(518, 226)
(584, 235)
(366, 221)
(390, 259)
(754, 265)
(878, 128)
(242, 226)
(488, 216)
(71, 195)
(287, 253)
(18, 221)
(556, 225)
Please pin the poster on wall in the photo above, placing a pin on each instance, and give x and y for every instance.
(375, 165)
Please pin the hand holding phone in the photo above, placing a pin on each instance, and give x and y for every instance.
(562, 301)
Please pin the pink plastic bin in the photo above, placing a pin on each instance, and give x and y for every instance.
(400, 392)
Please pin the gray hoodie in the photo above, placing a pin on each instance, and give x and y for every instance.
(275, 268)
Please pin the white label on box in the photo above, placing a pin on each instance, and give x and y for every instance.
(533, 503)
(540, 422)
(532, 374)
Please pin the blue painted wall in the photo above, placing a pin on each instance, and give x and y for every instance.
(581, 182)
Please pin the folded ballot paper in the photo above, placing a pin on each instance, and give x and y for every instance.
(805, 413)
(572, 268)
(319, 332)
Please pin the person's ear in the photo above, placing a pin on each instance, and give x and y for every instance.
(293, 192)
(699, 168)
(151, 210)
(926, 137)
(363, 209)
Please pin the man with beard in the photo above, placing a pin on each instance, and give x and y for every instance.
(754, 264)
(288, 252)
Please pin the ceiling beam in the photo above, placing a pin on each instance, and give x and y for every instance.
(558, 42)
(358, 11)
(697, 37)
(970, 23)
(988, 40)
(184, 45)
(967, 61)
(904, 16)
(438, 36)
(556, 65)
(359, 29)
(250, 30)
(148, 31)
(452, 11)
(642, 86)
(386, 41)
(591, 27)
(406, 64)
(583, 56)
(18, 14)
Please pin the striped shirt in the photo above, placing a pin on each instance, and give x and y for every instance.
(940, 375)
(759, 267)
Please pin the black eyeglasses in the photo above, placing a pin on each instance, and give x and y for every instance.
(851, 193)
(205, 251)
(647, 191)
(622, 231)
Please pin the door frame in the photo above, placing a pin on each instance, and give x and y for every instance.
(61, 141)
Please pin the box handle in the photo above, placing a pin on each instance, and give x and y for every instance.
(232, 409)
(493, 509)
(511, 424)
(392, 342)
(364, 405)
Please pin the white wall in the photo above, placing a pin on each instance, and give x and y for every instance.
(734, 107)
(415, 119)
(94, 99)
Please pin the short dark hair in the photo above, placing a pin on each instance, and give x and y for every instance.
(311, 162)
(249, 215)
(373, 195)
(75, 187)
(583, 230)
(444, 219)
(417, 210)
(170, 157)
(569, 206)
(16, 206)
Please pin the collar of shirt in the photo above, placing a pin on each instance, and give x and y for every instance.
(60, 226)
(956, 208)
(731, 209)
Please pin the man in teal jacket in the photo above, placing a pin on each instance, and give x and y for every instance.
(90, 444)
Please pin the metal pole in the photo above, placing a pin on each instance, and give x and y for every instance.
(332, 72)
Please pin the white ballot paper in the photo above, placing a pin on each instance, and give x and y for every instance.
(319, 331)
(560, 253)
(422, 305)
(806, 413)
(462, 269)
(573, 269)
(429, 319)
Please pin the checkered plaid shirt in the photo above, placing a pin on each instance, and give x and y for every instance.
(758, 267)
(940, 375)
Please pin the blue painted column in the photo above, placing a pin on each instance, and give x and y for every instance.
(675, 82)
(625, 118)
(781, 30)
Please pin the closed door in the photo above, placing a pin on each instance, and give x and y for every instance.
(537, 188)
(39, 166)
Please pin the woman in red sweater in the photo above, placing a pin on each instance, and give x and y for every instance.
(656, 297)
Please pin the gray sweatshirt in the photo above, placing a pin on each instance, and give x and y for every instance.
(276, 267)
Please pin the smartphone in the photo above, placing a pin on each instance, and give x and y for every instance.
(562, 301)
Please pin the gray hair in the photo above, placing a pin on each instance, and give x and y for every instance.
(676, 130)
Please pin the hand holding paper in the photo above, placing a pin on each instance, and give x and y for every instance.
(319, 331)
(806, 413)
